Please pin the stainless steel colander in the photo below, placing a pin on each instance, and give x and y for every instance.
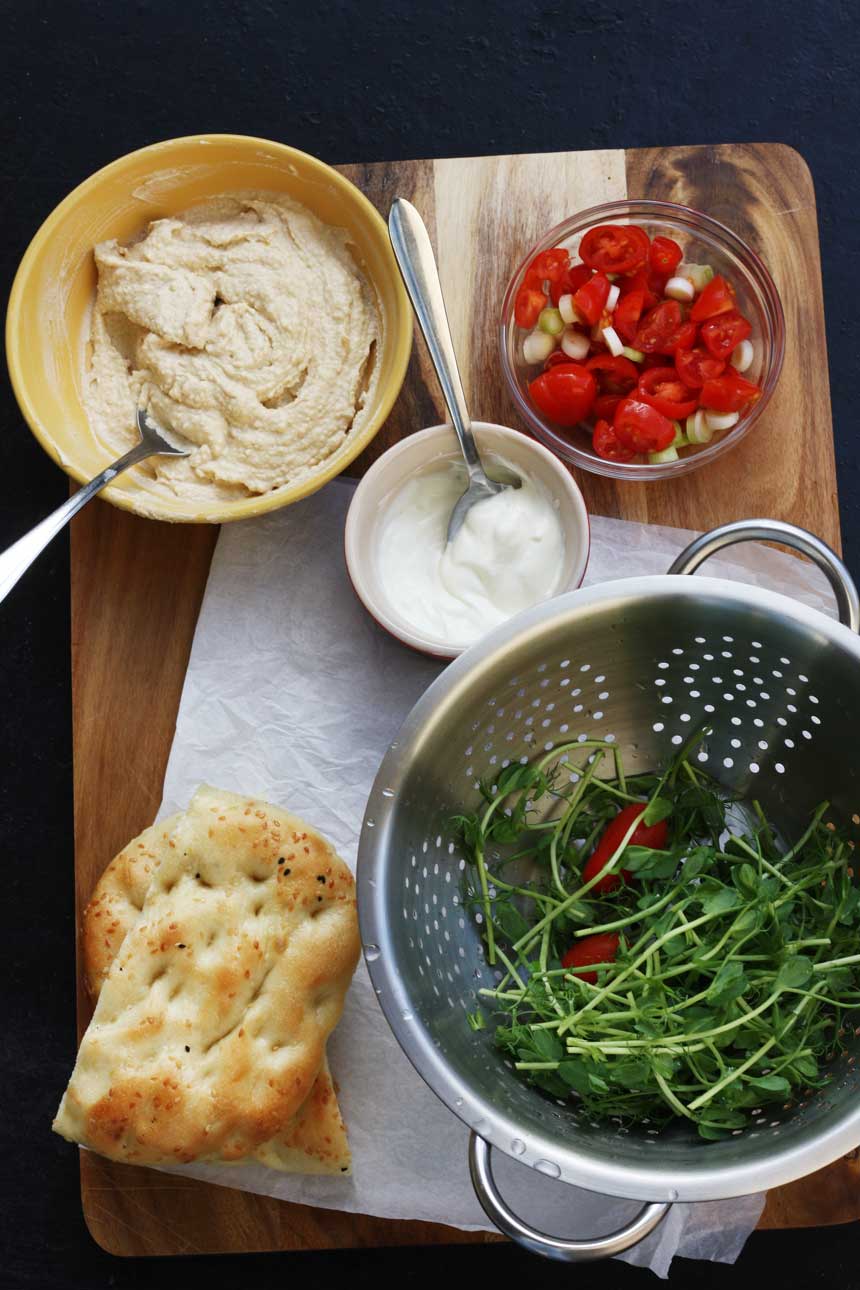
(643, 662)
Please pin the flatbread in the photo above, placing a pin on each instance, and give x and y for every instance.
(220, 945)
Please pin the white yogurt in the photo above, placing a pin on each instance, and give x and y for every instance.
(507, 556)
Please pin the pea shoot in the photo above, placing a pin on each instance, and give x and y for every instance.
(663, 954)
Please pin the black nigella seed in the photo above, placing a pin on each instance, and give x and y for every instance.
(281, 861)
(319, 897)
(187, 1049)
(320, 877)
(181, 946)
(287, 872)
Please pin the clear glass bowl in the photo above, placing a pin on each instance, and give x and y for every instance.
(704, 241)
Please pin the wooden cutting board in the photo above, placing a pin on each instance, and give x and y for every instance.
(137, 584)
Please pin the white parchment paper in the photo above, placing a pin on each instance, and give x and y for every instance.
(293, 694)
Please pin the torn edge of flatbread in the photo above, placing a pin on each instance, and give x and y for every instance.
(219, 945)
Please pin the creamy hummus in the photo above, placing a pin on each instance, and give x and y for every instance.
(243, 324)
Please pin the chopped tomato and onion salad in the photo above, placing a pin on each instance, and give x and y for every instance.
(648, 350)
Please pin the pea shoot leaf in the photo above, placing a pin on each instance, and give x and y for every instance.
(777, 1085)
(794, 973)
(746, 880)
(729, 984)
(659, 808)
(721, 901)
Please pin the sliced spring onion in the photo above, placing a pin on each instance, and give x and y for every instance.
(612, 298)
(567, 309)
(575, 344)
(699, 274)
(635, 355)
(721, 420)
(680, 289)
(538, 346)
(680, 440)
(551, 322)
(698, 430)
(668, 454)
(742, 356)
(613, 341)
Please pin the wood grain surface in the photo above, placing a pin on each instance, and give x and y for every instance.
(137, 585)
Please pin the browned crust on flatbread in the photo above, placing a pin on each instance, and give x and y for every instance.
(147, 1088)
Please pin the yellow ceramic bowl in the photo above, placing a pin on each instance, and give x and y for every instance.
(47, 323)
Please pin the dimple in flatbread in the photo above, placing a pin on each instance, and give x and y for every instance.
(220, 945)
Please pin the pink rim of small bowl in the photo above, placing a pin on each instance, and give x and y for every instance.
(747, 272)
(438, 444)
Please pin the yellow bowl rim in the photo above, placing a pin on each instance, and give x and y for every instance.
(247, 507)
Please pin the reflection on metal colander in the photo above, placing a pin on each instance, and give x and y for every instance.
(642, 663)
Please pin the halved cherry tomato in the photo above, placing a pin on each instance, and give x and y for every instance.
(550, 265)
(606, 443)
(614, 248)
(657, 326)
(627, 314)
(639, 282)
(728, 393)
(723, 333)
(565, 393)
(590, 298)
(569, 282)
(556, 357)
(642, 428)
(644, 835)
(663, 388)
(683, 338)
(664, 256)
(718, 297)
(613, 375)
(605, 405)
(529, 302)
(695, 366)
(600, 948)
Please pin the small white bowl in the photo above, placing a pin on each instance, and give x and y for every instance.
(417, 453)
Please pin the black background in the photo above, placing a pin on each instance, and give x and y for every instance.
(82, 83)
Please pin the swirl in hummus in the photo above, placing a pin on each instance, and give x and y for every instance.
(246, 326)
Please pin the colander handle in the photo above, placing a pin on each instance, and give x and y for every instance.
(819, 552)
(599, 1247)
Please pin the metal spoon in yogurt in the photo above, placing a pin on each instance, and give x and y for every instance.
(414, 254)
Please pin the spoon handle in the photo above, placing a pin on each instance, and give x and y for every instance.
(411, 243)
(17, 558)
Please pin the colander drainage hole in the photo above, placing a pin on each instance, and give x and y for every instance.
(518, 1147)
(548, 1167)
(371, 953)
